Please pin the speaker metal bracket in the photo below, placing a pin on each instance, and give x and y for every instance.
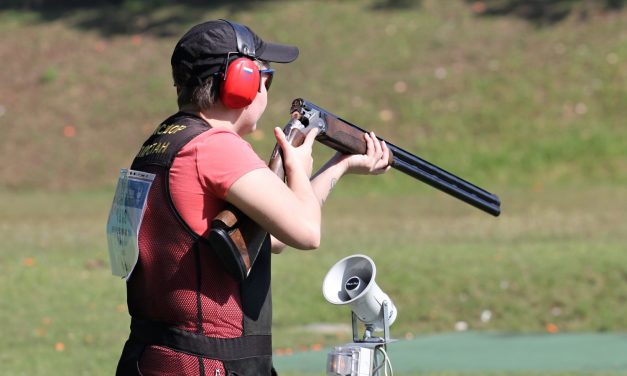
(367, 337)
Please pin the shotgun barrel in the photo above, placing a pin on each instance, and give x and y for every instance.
(346, 137)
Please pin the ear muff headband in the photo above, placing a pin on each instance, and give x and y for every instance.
(245, 40)
(241, 77)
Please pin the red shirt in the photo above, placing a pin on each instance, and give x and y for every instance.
(203, 172)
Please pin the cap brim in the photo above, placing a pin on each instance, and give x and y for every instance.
(278, 53)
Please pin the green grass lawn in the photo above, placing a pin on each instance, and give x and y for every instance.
(553, 257)
(534, 114)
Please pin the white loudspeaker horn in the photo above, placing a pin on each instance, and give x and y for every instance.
(351, 281)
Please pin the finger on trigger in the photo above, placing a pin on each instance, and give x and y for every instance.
(311, 136)
(280, 137)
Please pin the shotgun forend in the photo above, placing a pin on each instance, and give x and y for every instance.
(346, 137)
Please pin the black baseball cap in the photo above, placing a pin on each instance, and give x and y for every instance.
(204, 49)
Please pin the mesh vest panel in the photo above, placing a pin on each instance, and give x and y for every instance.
(175, 272)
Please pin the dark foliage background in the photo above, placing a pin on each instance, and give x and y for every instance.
(114, 17)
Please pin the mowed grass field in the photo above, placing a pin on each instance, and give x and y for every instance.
(535, 115)
(555, 258)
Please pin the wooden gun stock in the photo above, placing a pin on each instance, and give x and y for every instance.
(236, 239)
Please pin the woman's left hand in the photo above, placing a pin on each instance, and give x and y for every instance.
(374, 162)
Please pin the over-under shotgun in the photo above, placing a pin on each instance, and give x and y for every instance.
(237, 239)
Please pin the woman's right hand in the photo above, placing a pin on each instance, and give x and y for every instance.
(277, 206)
(296, 158)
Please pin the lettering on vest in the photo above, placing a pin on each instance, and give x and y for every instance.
(166, 128)
(156, 148)
(167, 139)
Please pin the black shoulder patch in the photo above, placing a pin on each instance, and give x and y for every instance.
(162, 146)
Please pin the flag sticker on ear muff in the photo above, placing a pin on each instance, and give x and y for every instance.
(248, 70)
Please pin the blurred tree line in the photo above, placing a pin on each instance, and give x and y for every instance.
(114, 17)
(517, 7)
(121, 16)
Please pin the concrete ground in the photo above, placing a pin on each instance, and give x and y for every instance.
(489, 352)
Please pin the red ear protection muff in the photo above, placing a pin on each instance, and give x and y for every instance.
(240, 83)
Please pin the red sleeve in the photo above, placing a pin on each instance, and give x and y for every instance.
(222, 157)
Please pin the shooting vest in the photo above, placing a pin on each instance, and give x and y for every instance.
(179, 287)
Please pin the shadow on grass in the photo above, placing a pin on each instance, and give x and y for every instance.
(119, 17)
(169, 17)
(543, 12)
(156, 17)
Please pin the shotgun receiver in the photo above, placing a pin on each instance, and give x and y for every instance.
(237, 240)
